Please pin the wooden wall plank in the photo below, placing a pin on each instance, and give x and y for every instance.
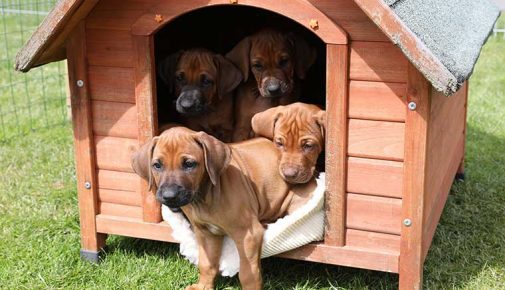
(375, 177)
(121, 197)
(119, 210)
(114, 119)
(83, 142)
(112, 48)
(117, 180)
(414, 180)
(112, 84)
(377, 242)
(114, 5)
(114, 153)
(376, 139)
(336, 143)
(346, 256)
(377, 61)
(118, 19)
(373, 213)
(377, 101)
(131, 227)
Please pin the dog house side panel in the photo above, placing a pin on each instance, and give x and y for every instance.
(446, 146)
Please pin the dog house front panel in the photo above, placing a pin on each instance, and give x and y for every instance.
(375, 138)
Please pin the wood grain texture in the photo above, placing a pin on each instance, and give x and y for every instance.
(376, 139)
(377, 61)
(114, 119)
(134, 227)
(414, 180)
(115, 5)
(377, 242)
(346, 256)
(112, 48)
(118, 19)
(122, 197)
(112, 84)
(373, 213)
(147, 125)
(299, 11)
(117, 180)
(336, 143)
(375, 177)
(114, 153)
(120, 210)
(377, 101)
(83, 143)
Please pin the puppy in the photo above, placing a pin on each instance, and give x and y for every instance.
(272, 64)
(223, 190)
(203, 83)
(297, 131)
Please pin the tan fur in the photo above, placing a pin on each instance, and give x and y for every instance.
(298, 131)
(245, 194)
(265, 57)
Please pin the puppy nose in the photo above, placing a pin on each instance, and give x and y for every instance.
(290, 172)
(274, 88)
(169, 193)
(186, 103)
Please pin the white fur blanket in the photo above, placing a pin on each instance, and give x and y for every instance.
(303, 226)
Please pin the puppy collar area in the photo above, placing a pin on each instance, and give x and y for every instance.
(302, 227)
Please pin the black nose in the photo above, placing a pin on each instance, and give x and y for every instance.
(274, 88)
(187, 103)
(169, 194)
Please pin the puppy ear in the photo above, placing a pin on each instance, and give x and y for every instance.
(263, 123)
(320, 118)
(229, 75)
(305, 55)
(217, 155)
(141, 161)
(239, 56)
(166, 69)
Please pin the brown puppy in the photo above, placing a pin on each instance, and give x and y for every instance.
(272, 64)
(223, 190)
(298, 132)
(203, 83)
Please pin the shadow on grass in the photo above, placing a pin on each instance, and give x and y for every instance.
(468, 240)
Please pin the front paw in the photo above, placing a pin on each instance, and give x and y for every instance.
(199, 287)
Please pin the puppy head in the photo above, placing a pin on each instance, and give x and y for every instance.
(273, 58)
(180, 164)
(199, 79)
(298, 132)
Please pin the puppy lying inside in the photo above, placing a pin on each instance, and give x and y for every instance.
(298, 133)
(223, 190)
(203, 83)
(272, 63)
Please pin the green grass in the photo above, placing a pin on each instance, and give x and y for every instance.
(39, 223)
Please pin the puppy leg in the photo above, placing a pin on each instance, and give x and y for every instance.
(249, 241)
(209, 253)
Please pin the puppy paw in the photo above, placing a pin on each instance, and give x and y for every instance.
(199, 287)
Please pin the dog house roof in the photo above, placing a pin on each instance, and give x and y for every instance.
(442, 39)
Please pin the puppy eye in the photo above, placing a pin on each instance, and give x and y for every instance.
(257, 66)
(189, 164)
(283, 62)
(279, 143)
(307, 146)
(179, 77)
(206, 82)
(157, 165)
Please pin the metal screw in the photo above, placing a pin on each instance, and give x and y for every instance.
(80, 83)
(407, 222)
(87, 185)
(412, 106)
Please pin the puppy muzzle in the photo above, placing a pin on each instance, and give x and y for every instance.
(273, 87)
(173, 195)
(190, 101)
(295, 174)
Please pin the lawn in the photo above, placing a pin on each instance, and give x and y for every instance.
(39, 223)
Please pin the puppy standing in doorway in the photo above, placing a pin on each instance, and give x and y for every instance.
(272, 63)
(203, 83)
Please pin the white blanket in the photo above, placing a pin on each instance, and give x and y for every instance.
(304, 226)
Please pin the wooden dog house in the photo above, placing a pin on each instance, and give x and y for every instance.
(395, 141)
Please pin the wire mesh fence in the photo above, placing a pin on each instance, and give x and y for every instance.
(36, 99)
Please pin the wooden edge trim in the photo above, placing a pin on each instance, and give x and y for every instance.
(414, 180)
(136, 228)
(417, 52)
(145, 96)
(327, 30)
(337, 84)
(84, 146)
